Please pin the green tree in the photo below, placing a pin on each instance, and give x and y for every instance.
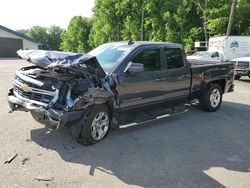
(241, 24)
(157, 20)
(181, 21)
(49, 38)
(76, 38)
(218, 15)
(202, 7)
(40, 34)
(54, 37)
(134, 14)
(108, 20)
(160, 20)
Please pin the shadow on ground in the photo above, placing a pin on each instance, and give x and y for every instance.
(175, 151)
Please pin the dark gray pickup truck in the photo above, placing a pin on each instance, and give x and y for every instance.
(115, 85)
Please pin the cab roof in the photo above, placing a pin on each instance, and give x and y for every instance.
(147, 43)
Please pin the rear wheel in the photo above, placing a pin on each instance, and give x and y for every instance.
(211, 99)
(237, 77)
(95, 125)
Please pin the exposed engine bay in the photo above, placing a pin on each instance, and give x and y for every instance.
(60, 87)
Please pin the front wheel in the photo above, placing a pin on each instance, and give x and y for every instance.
(96, 125)
(211, 99)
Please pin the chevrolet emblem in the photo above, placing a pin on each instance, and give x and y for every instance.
(26, 88)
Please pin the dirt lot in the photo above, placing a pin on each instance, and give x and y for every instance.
(195, 149)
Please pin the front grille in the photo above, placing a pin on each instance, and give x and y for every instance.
(242, 65)
(36, 96)
(33, 96)
(30, 84)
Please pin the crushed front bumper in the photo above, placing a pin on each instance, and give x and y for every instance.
(43, 115)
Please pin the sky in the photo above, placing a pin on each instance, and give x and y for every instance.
(23, 14)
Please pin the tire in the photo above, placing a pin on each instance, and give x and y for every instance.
(211, 98)
(93, 123)
(237, 77)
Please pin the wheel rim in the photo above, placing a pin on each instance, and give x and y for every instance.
(215, 98)
(100, 125)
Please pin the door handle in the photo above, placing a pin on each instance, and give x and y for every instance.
(160, 79)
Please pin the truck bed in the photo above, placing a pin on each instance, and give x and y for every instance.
(203, 62)
(207, 72)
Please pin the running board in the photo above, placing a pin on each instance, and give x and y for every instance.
(154, 119)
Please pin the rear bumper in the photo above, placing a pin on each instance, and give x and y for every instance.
(43, 115)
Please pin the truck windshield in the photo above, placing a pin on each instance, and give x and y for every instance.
(202, 54)
(110, 55)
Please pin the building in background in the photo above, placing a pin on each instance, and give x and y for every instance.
(11, 41)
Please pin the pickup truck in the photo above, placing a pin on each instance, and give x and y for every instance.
(242, 66)
(212, 56)
(116, 85)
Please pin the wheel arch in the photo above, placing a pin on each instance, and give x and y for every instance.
(221, 83)
(205, 98)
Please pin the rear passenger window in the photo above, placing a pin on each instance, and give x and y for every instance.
(174, 58)
(150, 58)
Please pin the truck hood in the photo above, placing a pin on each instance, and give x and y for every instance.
(242, 59)
(194, 57)
(202, 58)
(67, 60)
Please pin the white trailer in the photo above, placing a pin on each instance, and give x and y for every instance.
(230, 47)
(224, 49)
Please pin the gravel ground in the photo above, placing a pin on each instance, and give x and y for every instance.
(195, 149)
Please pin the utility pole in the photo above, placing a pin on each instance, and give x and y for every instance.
(142, 20)
(231, 17)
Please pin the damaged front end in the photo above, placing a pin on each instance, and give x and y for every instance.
(60, 87)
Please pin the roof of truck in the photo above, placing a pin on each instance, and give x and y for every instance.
(143, 43)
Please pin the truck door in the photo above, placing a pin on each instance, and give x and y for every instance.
(145, 87)
(176, 73)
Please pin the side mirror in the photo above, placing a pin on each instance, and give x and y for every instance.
(134, 68)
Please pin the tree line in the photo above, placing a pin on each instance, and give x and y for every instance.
(180, 21)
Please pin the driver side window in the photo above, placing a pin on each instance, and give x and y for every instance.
(150, 58)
